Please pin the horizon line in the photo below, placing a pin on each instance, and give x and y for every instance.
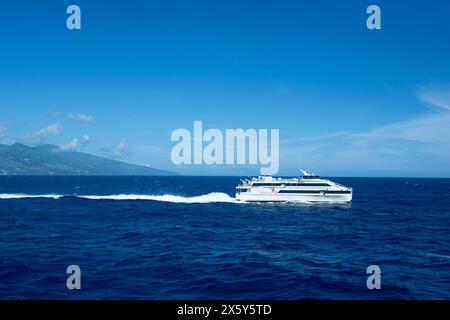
(212, 176)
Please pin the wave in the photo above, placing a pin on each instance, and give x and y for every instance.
(207, 198)
(25, 196)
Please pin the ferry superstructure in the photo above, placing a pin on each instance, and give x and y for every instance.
(306, 188)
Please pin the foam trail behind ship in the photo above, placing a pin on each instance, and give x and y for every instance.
(207, 198)
(214, 197)
(7, 196)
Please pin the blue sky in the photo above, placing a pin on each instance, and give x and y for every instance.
(348, 101)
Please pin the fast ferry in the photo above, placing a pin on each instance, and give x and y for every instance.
(306, 188)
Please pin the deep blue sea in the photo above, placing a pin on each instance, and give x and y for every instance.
(186, 238)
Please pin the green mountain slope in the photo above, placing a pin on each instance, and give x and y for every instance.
(19, 159)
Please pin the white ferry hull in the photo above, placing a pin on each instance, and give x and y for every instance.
(307, 189)
(324, 198)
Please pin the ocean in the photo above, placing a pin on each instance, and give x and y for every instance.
(186, 238)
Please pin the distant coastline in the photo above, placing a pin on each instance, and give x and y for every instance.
(49, 160)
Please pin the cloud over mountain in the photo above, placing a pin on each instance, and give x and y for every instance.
(41, 135)
(80, 117)
(75, 143)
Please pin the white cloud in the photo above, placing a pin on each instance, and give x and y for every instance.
(80, 117)
(40, 136)
(437, 96)
(119, 151)
(418, 141)
(329, 136)
(75, 143)
(431, 128)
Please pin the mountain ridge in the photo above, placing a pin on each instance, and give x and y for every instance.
(47, 159)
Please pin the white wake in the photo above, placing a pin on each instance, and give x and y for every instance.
(26, 196)
(207, 198)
